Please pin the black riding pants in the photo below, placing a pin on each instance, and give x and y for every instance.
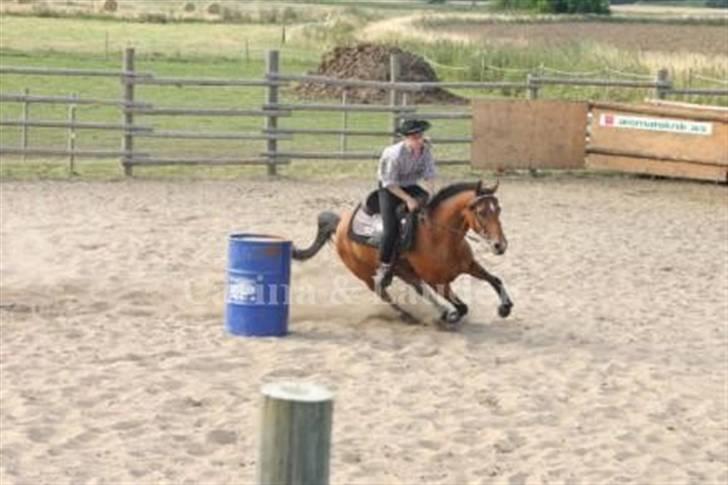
(388, 204)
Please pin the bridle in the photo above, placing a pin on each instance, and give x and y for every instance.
(480, 229)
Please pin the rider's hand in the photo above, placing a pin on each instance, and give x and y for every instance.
(412, 204)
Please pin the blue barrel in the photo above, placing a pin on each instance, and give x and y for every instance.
(258, 278)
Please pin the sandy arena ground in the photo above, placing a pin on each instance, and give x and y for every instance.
(612, 369)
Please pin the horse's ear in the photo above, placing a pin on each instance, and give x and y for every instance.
(491, 190)
(479, 187)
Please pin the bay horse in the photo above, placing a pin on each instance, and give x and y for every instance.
(441, 252)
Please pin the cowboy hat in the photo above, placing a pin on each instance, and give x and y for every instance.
(410, 127)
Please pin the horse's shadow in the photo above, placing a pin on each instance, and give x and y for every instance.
(483, 331)
(476, 331)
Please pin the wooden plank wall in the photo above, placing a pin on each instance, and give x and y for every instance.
(701, 155)
(511, 134)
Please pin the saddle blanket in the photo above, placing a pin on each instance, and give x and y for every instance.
(367, 229)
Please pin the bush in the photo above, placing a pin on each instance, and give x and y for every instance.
(231, 15)
(717, 3)
(153, 18)
(560, 6)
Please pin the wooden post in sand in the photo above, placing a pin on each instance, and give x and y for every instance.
(295, 436)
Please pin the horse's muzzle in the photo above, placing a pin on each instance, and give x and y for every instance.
(500, 247)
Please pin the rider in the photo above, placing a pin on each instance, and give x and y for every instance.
(400, 167)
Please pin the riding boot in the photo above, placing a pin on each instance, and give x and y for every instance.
(383, 277)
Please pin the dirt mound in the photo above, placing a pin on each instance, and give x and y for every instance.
(371, 62)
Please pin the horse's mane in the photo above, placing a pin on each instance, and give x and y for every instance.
(450, 191)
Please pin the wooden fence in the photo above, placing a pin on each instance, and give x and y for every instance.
(659, 139)
(272, 110)
(656, 137)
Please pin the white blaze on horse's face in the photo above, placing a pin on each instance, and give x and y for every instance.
(485, 220)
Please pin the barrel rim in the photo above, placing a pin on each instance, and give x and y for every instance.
(261, 238)
(300, 391)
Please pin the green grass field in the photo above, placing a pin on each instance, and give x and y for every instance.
(159, 54)
(209, 49)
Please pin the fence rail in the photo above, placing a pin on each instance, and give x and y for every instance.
(596, 82)
(205, 112)
(21, 98)
(205, 161)
(361, 108)
(42, 71)
(79, 125)
(351, 83)
(50, 152)
(460, 115)
(193, 135)
(700, 92)
(272, 108)
(422, 86)
(161, 81)
(322, 155)
(322, 131)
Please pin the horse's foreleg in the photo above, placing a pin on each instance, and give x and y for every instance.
(477, 271)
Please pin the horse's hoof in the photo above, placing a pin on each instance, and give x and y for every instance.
(450, 316)
(449, 320)
(505, 310)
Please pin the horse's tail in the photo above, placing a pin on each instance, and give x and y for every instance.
(327, 224)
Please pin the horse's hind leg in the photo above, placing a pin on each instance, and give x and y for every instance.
(406, 316)
(459, 304)
(407, 274)
(479, 272)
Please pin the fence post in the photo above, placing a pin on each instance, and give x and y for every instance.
(26, 118)
(72, 137)
(127, 140)
(295, 438)
(482, 67)
(344, 119)
(532, 86)
(271, 121)
(394, 73)
(663, 84)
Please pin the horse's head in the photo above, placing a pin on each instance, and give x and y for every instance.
(482, 215)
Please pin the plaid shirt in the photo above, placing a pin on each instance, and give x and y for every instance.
(399, 166)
